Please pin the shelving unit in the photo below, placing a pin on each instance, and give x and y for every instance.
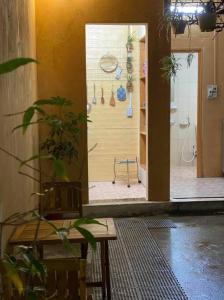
(143, 107)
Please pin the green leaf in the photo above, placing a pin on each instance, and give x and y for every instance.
(54, 101)
(13, 275)
(34, 157)
(38, 268)
(13, 64)
(88, 236)
(83, 221)
(68, 246)
(22, 125)
(32, 295)
(27, 117)
(59, 169)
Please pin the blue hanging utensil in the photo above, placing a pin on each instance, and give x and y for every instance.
(121, 94)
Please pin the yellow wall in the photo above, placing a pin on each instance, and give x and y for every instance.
(212, 111)
(114, 133)
(61, 52)
(17, 91)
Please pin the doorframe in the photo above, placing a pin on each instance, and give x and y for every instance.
(199, 166)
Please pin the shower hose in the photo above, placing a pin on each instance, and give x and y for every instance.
(194, 154)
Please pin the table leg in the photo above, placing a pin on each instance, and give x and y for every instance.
(107, 267)
(103, 269)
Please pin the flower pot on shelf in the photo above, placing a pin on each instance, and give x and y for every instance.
(207, 21)
(178, 26)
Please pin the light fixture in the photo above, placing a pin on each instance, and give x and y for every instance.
(187, 9)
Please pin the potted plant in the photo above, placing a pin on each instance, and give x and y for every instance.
(23, 268)
(129, 44)
(178, 24)
(207, 19)
(129, 65)
(129, 85)
(174, 20)
(170, 66)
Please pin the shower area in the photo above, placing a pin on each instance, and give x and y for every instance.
(183, 125)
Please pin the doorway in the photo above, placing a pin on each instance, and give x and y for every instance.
(117, 107)
(185, 125)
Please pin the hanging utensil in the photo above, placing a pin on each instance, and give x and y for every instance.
(130, 109)
(112, 99)
(102, 96)
(94, 94)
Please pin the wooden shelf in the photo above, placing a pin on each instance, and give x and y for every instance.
(143, 133)
(143, 105)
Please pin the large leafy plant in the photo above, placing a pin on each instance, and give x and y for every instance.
(61, 144)
(64, 129)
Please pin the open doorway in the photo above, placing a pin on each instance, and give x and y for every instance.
(184, 124)
(116, 71)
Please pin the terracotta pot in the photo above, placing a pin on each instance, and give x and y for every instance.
(207, 21)
(178, 26)
(130, 87)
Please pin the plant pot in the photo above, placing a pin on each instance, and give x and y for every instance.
(129, 68)
(130, 87)
(129, 47)
(207, 21)
(178, 26)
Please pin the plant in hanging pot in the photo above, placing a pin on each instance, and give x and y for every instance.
(129, 85)
(178, 24)
(207, 19)
(129, 65)
(129, 45)
(173, 19)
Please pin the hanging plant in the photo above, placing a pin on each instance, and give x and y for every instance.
(130, 86)
(207, 20)
(170, 67)
(178, 25)
(129, 65)
(129, 45)
(190, 58)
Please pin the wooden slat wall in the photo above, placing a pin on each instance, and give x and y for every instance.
(17, 91)
(115, 134)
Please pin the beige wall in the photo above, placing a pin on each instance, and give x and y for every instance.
(212, 111)
(17, 91)
(115, 134)
(61, 52)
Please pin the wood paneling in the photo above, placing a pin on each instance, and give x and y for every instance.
(61, 52)
(115, 134)
(17, 91)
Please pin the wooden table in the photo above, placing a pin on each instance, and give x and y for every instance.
(24, 235)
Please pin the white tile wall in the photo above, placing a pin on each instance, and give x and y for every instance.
(184, 92)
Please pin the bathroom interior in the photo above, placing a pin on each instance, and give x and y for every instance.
(183, 122)
(117, 107)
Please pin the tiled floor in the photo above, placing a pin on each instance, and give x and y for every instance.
(100, 191)
(184, 184)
